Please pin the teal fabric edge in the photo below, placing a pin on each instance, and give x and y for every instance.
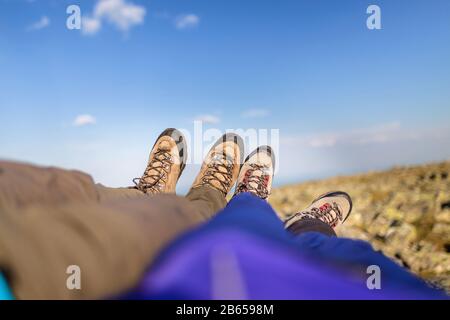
(5, 292)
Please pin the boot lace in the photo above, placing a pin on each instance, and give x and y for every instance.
(257, 184)
(155, 176)
(220, 166)
(328, 213)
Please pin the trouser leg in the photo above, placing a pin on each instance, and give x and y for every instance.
(51, 219)
(311, 225)
(206, 200)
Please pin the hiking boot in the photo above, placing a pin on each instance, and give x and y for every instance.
(256, 173)
(220, 168)
(333, 208)
(165, 165)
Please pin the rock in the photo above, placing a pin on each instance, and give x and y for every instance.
(401, 236)
(443, 216)
(441, 232)
(353, 232)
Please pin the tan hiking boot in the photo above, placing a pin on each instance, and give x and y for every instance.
(333, 208)
(220, 168)
(165, 165)
(256, 173)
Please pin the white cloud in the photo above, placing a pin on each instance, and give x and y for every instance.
(90, 25)
(349, 151)
(377, 134)
(44, 22)
(255, 113)
(208, 118)
(83, 120)
(121, 13)
(186, 21)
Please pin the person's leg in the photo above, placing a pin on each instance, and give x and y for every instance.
(314, 236)
(217, 175)
(51, 219)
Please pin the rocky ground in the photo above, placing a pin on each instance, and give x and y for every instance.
(404, 212)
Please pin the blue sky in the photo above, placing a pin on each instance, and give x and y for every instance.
(345, 98)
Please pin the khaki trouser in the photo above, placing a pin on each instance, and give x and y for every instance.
(51, 219)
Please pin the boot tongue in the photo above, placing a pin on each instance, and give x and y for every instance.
(220, 171)
(158, 162)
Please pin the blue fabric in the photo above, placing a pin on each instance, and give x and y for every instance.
(5, 292)
(245, 253)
